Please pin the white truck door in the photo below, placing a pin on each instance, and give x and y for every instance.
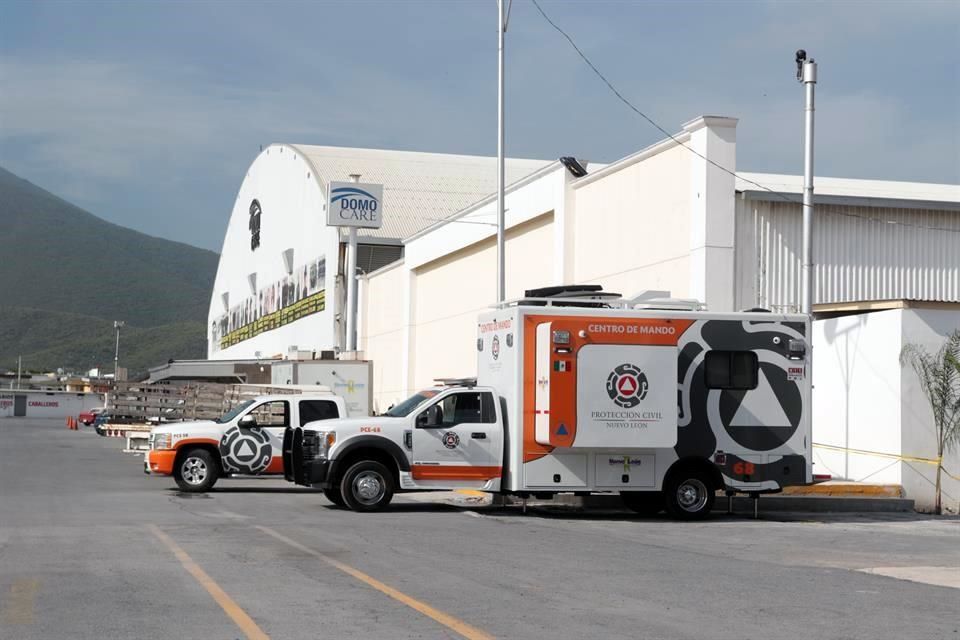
(256, 448)
(458, 442)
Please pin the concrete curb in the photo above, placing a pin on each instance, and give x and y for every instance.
(776, 502)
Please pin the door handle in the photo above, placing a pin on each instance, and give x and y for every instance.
(478, 435)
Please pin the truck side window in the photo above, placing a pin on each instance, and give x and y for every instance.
(461, 408)
(489, 408)
(731, 370)
(272, 414)
(311, 410)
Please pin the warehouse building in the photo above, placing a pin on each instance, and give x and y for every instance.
(664, 218)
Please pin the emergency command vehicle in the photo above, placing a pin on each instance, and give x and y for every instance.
(579, 391)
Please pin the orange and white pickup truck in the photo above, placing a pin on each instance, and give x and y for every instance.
(247, 441)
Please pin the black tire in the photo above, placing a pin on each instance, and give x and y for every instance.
(646, 503)
(367, 486)
(689, 494)
(196, 471)
(333, 495)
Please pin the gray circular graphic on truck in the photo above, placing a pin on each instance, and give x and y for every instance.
(245, 450)
(627, 385)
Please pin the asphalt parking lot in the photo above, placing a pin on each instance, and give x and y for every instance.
(92, 548)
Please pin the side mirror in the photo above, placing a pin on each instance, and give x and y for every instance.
(248, 420)
(432, 417)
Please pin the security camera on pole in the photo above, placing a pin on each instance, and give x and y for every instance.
(807, 74)
(353, 205)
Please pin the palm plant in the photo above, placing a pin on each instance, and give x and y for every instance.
(939, 375)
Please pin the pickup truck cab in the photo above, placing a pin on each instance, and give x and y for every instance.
(244, 442)
(445, 437)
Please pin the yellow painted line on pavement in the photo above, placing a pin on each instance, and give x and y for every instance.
(229, 606)
(472, 492)
(19, 602)
(450, 622)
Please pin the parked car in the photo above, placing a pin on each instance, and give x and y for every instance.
(87, 417)
(107, 419)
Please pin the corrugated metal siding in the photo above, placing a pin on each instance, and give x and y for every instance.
(861, 253)
(371, 257)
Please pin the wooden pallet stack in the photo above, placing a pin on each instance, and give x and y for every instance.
(169, 402)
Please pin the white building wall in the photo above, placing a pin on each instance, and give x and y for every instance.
(631, 230)
(926, 328)
(382, 330)
(856, 396)
(49, 404)
(864, 400)
(662, 218)
(451, 292)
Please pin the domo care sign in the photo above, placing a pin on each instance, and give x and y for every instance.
(355, 204)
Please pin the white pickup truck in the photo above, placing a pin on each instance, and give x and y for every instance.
(245, 442)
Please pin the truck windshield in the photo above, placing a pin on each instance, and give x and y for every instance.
(406, 407)
(233, 413)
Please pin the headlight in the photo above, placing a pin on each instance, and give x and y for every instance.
(325, 440)
(162, 441)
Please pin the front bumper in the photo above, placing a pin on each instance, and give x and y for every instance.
(300, 465)
(159, 462)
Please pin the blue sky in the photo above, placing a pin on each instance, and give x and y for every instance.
(148, 114)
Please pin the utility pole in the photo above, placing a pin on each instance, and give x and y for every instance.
(116, 353)
(19, 364)
(352, 281)
(502, 20)
(807, 74)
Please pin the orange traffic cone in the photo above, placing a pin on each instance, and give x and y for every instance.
(68, 423)
(73, 423)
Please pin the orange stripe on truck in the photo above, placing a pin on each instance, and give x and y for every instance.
(454, 472)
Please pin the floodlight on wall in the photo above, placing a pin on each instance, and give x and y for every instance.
(288, 261)
(573, 166)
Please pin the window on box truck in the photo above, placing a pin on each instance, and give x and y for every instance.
(311, 410)
(732, 370)
(275, 413)
(406, 407)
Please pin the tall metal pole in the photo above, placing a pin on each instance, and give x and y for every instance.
(116, 353)
(501, 278)
(352, 282)
(19, 363)
(807, 74)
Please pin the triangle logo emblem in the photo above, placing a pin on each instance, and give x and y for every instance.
(562, 430)
(760, 408)
(245, 451)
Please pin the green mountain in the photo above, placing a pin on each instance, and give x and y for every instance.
(65, 275)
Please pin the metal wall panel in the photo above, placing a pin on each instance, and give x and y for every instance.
(860, 253)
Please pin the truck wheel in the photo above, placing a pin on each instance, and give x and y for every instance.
(689, 495)
(333, 495)
(646, 503)
(367, 486)
(196, 471)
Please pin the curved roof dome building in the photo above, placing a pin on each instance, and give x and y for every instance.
(280, 283)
